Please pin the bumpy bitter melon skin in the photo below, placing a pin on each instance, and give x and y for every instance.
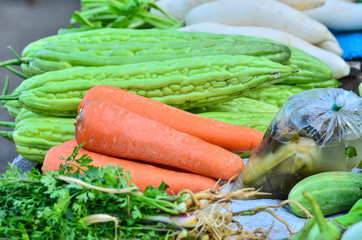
(334, 192)
(240, 105)
(257, 120)
(60, 55)
(183, 83)
(308, 69)
(25, 113)
(277, 94)
(34, 136)
(240, 111)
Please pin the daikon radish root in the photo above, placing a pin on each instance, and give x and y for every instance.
(177, 8)
(261, 13)
(302, 5)
(338, 15)
(339, 67)
(331, 46)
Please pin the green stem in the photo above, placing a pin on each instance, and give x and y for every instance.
(159, 228)
(304, 232)
(19, 180)
(317, 212)
(172, 19)
(81, 19)
(7, 134)
(6, 86)
(15, 53)
(161, 204)
(10, 97)
(10, 62)
(16, 72)
(8, 124)
(158, 22)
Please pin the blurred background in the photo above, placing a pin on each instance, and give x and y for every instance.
(22, 22)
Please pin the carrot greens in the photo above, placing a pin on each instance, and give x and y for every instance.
(68, 204)
(80, 201)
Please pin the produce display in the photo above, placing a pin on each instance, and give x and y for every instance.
(148, 119)
(61, 55)
(314, 131)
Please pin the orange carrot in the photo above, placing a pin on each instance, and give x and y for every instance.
(111, 130)
(142, 175)
(231, 137)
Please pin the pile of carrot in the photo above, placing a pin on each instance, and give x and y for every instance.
(156, 142)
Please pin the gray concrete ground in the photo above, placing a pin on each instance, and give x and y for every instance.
(22, 22)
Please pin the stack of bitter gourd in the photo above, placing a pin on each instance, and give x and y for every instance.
(200, 72)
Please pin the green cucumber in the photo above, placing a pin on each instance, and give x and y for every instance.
(335, 192)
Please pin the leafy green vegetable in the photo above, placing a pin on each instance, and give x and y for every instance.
(62, 204)
(353, 216)
(351, 152)
(119, 14)
(317, 226)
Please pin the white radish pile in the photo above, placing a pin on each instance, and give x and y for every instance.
(304, 24)
(339, 67)
(263, 13)
(303, 4)
(338, 15)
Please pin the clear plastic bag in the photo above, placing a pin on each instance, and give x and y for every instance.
(314, 131)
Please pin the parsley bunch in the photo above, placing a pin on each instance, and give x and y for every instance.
(82, 202)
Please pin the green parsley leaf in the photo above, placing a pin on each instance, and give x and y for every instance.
(351, 152)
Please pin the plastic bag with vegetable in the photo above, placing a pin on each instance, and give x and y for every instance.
(314, 131)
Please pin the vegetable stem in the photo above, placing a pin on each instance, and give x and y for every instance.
(97, 218)
(187, 220)
(7, 134)
(102, 189)
(10, 97)
(16, 72)
(162, 205)
(10, 62)
(6, 85)
(8, 124)
(317, 212)
(15, 54)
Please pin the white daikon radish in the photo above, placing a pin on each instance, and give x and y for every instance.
(338, 15)
(343, 0)
(332, 47)
(177, 8)
(339, 67)
(303, 4)
(262, 13)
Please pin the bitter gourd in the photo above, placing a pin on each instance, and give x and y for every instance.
(309, 69)
(12, 106)
(240, 105)
(277, 94)
(61, 55)
(257, 120)
(25, 113)
(183, 83)
(240, 111)
(34, 136)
